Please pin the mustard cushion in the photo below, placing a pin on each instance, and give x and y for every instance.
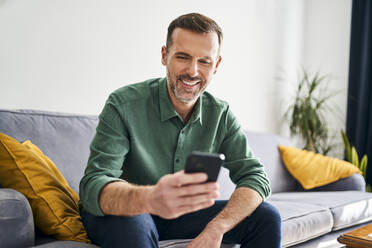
(54, 204)
(314, 170)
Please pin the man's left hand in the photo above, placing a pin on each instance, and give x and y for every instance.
(208, 238)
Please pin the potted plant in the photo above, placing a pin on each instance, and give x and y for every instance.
(306, 114)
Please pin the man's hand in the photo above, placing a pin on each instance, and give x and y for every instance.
(209, 237)
(241, 204)
(180, 193)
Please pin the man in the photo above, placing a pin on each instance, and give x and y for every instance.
(135, 192)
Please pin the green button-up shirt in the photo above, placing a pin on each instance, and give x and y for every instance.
(140, 138)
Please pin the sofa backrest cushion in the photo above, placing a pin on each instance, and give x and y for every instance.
(64, 138)
(265, 147)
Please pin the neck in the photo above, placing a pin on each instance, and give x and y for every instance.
(182, 108)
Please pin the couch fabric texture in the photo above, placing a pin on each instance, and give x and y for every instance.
(308, 216)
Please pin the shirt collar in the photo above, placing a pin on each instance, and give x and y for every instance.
(197, 112)
(167, 110)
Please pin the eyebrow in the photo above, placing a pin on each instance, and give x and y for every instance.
(183, 54)
(188, 55)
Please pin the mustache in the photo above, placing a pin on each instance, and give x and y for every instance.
(188, 78)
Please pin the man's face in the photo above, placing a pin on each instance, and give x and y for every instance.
(192, 60)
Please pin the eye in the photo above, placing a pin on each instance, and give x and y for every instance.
(181, 57)
(205, 62)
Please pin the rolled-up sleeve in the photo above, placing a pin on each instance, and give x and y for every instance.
(107, 153)
(244, 168)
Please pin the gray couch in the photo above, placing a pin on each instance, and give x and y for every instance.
(310, 218)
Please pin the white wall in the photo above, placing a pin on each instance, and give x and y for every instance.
(328, 40)
(68, 55)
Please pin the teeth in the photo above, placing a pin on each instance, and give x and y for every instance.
(190, 83)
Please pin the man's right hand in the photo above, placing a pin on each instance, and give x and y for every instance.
(181, 193)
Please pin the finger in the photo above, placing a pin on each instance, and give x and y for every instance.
(194, 189)
(198, 199)
(181, 178)
(188, 209)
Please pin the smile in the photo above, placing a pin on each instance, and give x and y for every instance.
(190, 83)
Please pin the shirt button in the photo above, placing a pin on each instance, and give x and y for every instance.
(177, 160)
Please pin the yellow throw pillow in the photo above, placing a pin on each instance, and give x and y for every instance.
(314, 170)
(54, 204)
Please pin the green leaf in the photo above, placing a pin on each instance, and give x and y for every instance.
(363, 165)
(345, 139)
(354, 157)
(368, 188)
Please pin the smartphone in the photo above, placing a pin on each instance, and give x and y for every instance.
(209, 163)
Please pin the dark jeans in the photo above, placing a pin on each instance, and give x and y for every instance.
(261, 229)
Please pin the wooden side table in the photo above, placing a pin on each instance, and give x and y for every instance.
(358, 238)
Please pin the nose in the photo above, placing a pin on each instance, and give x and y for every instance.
(192, 69)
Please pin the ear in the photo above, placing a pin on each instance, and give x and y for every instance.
(164, 55)
(217, 64)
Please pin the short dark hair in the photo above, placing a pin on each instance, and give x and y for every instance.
(194, 22)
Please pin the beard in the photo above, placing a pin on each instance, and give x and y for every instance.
(182, 93)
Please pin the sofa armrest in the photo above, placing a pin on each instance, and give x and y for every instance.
(354, 182)
(16, 220)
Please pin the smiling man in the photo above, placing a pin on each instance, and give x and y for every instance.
(191, 60)
(135, 192)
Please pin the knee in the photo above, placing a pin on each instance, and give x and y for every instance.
(271, 212)
(269, 216)
(268, 223)
(140, 226)
(118, 231)
(264, 222)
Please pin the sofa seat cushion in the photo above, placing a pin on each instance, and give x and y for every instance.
(182, 243)
(348, 207)
(302, 221)
(49, 242)
(65, 244)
